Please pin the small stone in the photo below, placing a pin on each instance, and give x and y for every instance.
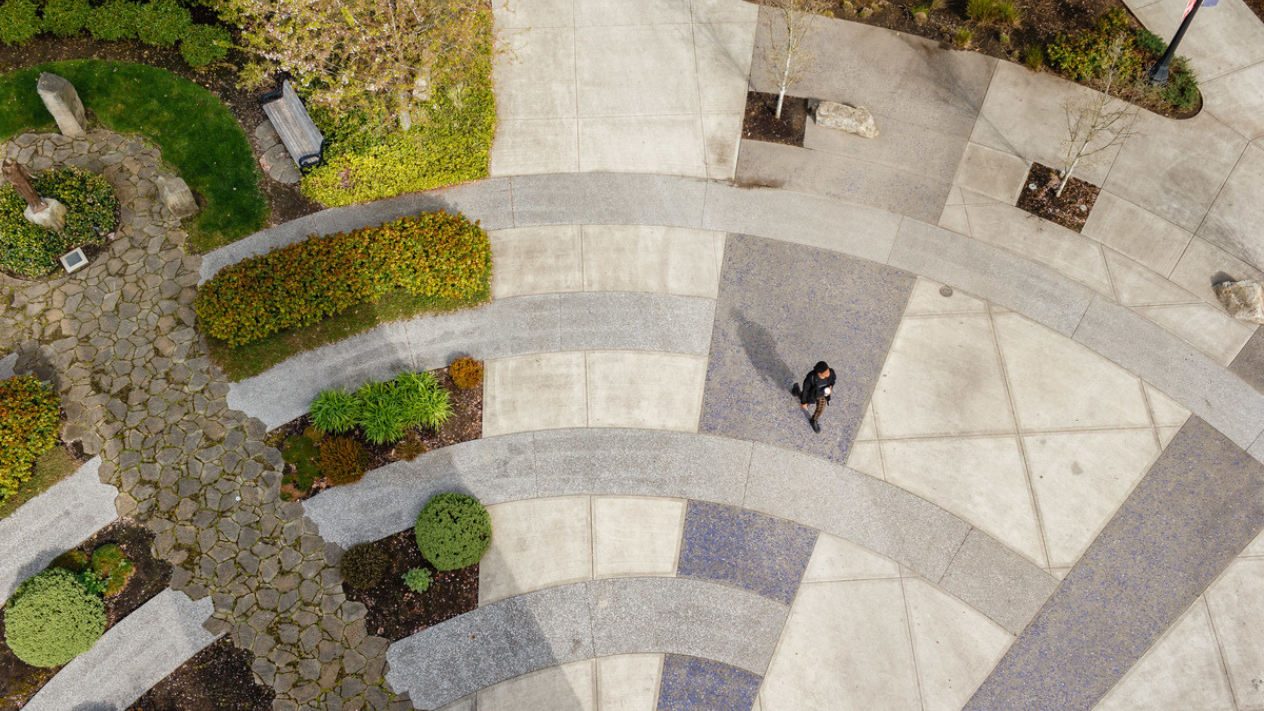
(854, 120)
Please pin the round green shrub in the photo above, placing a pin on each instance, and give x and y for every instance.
(30, 250)
(202, 44)
(65, 18)
(363, 565)
(115, 20)
(162, 22)
(52, 619)
(453, 531)
(19, 21)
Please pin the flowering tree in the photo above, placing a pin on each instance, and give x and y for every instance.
(372, 55)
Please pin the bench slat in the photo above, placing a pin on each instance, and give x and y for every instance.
(295, 127)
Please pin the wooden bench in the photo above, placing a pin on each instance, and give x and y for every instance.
(292, 123)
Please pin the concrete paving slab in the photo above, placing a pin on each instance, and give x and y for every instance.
(635, 536)
(1175, 168)
(690, 684)
(636, 322)
(1164, 410)
(1067, 253)
(1249, 363)
(682, 616)
(996, 174)
(761, 346)
(992, 274)
(1208, 328)
(930, 299)
(1233, 601)
(131, 657)
(1176, 368)
(1136, 232)
(663, 260)
(609, 199)
(628, 682)
(1204, 264)
(535, 75)
(866, 458)
(997, 582)
(1193, 512)
(955, 219)
(1237, 99)
(858, 230)
(567, 687)
(535, 146)
(1181, 671)
(905, 146)
(537, 544)
(657, 83)
(845, 646)
(745, 549)
(614, 13)
(1233, 220)
(1136, 285)
(52, 523)
(955, 647)
(537, 260)
(1217, 43)
(666, 145)
(643, 390)
(534, 392)
(721, 133)
(535, 13)
(723, 55)
(834, 559)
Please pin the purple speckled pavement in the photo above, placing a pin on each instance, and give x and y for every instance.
(783, 307)
(1196, 509)
(749, 550)
(693, 684)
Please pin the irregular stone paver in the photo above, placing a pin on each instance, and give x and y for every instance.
(1195, 510)
(55, 521)
(131, 657)
(754, 552)
(781, 309)
(117, 341)
(693, 684)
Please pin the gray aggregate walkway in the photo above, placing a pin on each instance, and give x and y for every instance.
(505, 327)
(1224, 400)
(53, 522)
(880, 516)
(564, 624)
(131, 657)
(1197, 508)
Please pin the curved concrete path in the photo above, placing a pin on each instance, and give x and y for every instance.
(52, 523)
(879, 516)
(593, 619)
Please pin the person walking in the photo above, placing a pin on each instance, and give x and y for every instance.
(817, 388)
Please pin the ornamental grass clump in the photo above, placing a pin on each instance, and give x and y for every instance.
(453, 531)
(52, 618)
(342, 460)
(30, 414)
(466, 373)
(384, 411)
(432, 255)
(335, 411)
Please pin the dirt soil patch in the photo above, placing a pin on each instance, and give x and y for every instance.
(761, 122)
(219, 78)
(1071, 210)
(1257, 6)
(465, 424)
(396, 612)
(18, 680)
(217, 678)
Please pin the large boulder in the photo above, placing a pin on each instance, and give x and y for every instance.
(1243, 299)
(852, 119)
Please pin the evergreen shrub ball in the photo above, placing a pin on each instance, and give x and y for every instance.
(453, 531)
(52, 618)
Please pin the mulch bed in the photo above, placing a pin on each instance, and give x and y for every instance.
(18, 680)
(396, 612)
(1071, 210)
(465, 424)
(217, 678)
(219, 78)
(761, 122)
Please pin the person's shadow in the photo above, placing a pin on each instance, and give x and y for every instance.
(761, 350)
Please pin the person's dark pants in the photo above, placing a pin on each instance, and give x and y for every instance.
(820, 407)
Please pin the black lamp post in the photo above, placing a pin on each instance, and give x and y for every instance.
(1158, 75)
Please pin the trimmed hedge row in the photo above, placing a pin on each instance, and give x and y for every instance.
(30, 415)
(435, 254)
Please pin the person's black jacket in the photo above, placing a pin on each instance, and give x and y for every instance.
(814, 387)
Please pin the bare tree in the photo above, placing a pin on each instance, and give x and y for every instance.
(788, 24)
(1094, 124)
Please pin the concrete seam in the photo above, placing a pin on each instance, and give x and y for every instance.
(957, 551)
(592, 538)
(750, 462)
(1154, 423)
(908, 627)
(1220, 190)
(1080, 322)
(1220, 654)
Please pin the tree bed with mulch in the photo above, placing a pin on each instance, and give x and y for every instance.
(761, 123)
(1040, 197)
(217, 678)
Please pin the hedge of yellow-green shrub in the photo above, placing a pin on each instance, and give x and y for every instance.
(436, 255)
(30, 414)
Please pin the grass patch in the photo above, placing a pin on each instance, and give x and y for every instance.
(254, 358)
(196, 133)
(51, 467)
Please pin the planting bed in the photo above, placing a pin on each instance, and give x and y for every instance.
(1071, 210)
(20, 681)
(761, 122)
(395, 611)
(217, 678)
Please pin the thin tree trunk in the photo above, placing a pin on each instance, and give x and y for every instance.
(785, 80)
(1067, 177)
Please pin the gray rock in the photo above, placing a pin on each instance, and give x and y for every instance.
(852, 119)
(175, 194)
(63, 103)
(1244, 300)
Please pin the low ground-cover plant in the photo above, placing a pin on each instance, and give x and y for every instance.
(195, 131)
(1001, 13)
(52, 618)
(418, 579)
(301, 451)
(453, 531)
(431, 255)
(30, 250)
(30, 414)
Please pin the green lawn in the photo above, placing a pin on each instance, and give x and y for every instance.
(198, 136)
